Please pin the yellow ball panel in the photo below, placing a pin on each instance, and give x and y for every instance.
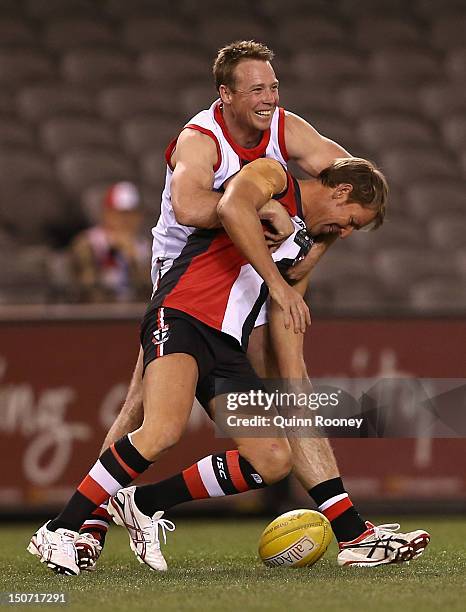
(295, 539)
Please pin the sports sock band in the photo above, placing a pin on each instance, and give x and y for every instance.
(213, 476)
(334, 502)
(116, 468)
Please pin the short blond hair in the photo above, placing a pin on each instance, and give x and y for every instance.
(370, 188)
(229, 57)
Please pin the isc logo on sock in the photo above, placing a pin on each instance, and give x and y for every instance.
(257, 478)
(221, 468)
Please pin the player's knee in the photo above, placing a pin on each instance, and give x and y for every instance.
(273, 462)
(158, 441)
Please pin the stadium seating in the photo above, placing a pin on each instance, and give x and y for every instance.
(32, 211)
(404, 165)
(409, 65)
(122, 9)
(429, 9)
(94, 67)
(172, 67)
(63, 34)
(454, 132)
(25, 279)
(433, 197)
(50, 9)
(385, 8)
(195, 96)
(91, 91)
(440, 100)
(370, 98)
(61, 134)
(152, 170)
(447, 231)
(15, 133)
(148, 34)
(24, 65)
(215, 30)
(441, 295)
(323, 65)
(19, 166)
(80, 169)
(395, 129)
(16, 32)
(384, 31)
(447, 30)
(10, 8)
(144, 133)
(298, 32)
(119, 103)
(40, 102)
(455, 64)
(399, 269)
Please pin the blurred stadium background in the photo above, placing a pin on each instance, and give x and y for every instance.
(92, 91)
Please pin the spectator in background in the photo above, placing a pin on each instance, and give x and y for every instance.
(110, 261)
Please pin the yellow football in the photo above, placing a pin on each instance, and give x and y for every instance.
(295, 539)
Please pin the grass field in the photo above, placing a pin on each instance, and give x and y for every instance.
(213, 566)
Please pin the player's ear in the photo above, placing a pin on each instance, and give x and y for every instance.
(342, 190)
(225, 94)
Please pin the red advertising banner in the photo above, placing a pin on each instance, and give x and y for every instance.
(63, 382)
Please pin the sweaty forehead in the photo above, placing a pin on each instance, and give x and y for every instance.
(252, 72)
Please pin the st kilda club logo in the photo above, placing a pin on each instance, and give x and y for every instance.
(161, 334)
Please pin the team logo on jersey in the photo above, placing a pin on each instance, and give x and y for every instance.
(161, 334)
(304, 240)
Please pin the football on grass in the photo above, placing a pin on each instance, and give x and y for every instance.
(295, 539)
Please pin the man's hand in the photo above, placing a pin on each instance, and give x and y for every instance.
(304, 267)
(279, 219)
(292, 305)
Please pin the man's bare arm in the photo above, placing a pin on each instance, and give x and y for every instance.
(309, 149)
(287, 346)
(250, 189)
(194, 203)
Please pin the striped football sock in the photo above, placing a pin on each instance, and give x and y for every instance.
(334, 502)
(116, 468)
(97, 523)
(214, 476)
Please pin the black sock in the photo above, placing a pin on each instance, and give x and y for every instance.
(334, 502)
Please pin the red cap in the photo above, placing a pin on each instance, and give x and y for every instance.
(122, 196)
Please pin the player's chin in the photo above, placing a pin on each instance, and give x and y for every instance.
(262, 122)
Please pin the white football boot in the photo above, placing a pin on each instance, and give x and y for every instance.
(56, 549)
(88, 549)
(381, 545)
(143, 530)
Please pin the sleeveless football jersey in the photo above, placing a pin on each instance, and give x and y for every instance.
(169, 237)
(211, 281)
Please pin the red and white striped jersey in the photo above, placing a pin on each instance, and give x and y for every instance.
(169, 237)
(211, 281)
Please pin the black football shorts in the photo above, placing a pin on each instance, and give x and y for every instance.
(222, 363)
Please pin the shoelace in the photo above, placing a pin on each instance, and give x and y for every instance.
(91, 540)
(392, 527)
(165, 526)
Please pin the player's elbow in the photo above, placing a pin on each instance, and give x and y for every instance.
(225, 211)
(182, 213)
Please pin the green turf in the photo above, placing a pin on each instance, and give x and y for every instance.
(213, 566)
